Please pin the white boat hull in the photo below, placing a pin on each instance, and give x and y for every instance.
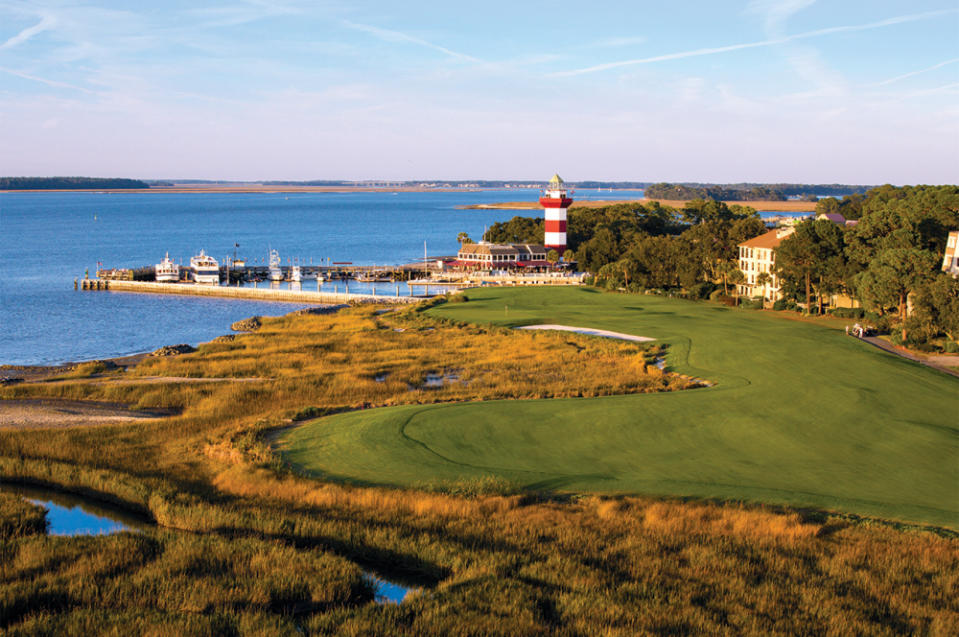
(206, 278)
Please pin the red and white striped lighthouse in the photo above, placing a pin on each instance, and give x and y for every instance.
(555, 202)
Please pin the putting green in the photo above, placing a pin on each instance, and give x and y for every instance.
(801, 415)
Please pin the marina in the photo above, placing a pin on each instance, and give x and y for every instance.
(265, 293)
(55, 237)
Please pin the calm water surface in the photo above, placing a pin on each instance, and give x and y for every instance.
(49, 239)
(72, 515)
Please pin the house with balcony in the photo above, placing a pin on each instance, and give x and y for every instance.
(758, 256)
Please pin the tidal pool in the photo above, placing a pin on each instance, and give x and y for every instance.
(71, 515)
(388, 592)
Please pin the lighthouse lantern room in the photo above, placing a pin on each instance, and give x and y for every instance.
(555, 201)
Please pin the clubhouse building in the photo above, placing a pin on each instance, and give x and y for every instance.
(499, 256)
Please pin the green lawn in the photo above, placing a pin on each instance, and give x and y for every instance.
(801, 415)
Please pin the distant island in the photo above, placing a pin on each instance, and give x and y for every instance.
(69, 183)
(750, 192)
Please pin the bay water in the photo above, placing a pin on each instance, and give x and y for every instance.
(49, 239)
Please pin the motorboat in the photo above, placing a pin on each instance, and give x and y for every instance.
(275, 272)
(206, 270)
(167, 271)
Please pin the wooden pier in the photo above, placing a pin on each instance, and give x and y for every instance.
(252, 294)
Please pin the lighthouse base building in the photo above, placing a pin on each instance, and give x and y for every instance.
(524, 256)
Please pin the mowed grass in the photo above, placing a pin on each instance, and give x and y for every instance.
(801, 415)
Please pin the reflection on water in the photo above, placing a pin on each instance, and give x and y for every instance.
(435, 380)
(74, 515)
(352, 286)
(388, 592)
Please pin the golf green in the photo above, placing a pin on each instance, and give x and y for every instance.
(800, 415)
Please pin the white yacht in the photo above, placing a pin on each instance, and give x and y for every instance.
(296, 275)
(167, 270)
(205, 269)
(275, 272)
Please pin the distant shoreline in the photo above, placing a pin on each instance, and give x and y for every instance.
(254, 189)
(769, 206)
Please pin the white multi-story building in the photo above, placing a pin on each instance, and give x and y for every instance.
(950, 262)
(758, 256)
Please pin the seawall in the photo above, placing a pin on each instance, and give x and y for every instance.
(253, 294)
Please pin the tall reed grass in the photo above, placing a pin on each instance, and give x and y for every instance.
(243, 546)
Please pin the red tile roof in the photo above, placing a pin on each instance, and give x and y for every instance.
(771, 239)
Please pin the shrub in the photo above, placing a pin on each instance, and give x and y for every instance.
(731, 301)
(785, 304)
(715, 294)
(702, 290)
(309, 413)
(951, 347)
(883, 324)
(848, 312)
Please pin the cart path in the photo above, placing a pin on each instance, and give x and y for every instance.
(892, 349)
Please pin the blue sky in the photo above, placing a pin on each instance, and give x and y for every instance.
(756, 90)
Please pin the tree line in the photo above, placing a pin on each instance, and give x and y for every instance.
(749, 191)
(889, 261)
(69, 183)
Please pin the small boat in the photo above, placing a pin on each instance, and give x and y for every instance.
(205, 269)
(296, 275)
(167, 271)
(275, 273)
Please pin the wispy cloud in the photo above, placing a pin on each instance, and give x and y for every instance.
(776, 13)
(46, 22)
(388, 35)
(615, 42)
(912, 73)
(761, 43)
(952, 88)
(53, 83)
(243, 13)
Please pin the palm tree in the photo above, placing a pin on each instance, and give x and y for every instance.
(764, 279)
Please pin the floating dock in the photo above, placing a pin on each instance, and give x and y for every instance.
(252, 294)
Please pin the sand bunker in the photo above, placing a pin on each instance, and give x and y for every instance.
(51, 412)
(588, 330)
